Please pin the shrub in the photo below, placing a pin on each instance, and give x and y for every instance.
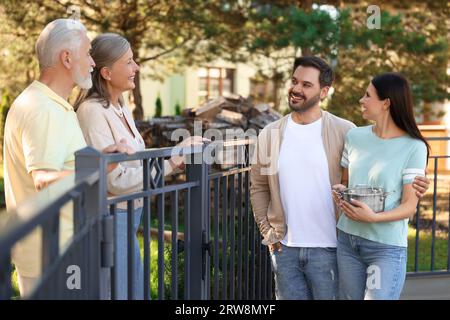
(158, 107)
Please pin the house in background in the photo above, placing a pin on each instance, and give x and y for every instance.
(196, 85)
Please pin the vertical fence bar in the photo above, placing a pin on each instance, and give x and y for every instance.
(258, 265)
(87, 161)
(264, 272)
(130, 249)
(252, 260)
(50, 241)
(239, 250)
(206, 238)
(5, 276)
(224, 236)
(187, 245)
(448, 235)
(159, 181)
(246, 236)
(416, 248)
(79, 222)
(269, 279)
(87, 255)
(79, 217)
(147, 220)
(232, 234)
(434, 214)
(175, 245)
(160, 205)
(84, 249)
(112, 212)
(199, 261)
(216, 239)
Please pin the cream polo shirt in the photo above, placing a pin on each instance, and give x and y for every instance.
(41, 133)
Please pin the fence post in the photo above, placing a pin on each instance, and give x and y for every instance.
(198, 232)
(88, 161)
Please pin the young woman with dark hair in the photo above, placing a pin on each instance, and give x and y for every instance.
(372, 247)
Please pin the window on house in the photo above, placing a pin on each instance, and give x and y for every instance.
(214, 82)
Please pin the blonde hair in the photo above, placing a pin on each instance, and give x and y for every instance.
(106, 49)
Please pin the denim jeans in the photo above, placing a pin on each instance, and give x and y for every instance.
(369, 270)
(121, 262)
(305, 273)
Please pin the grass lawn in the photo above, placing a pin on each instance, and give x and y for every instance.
(441, 248)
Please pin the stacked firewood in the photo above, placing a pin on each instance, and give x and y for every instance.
(223, 114)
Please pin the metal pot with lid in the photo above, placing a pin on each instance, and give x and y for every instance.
(374, 197)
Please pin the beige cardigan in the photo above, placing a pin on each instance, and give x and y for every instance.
(265, 188)
(102, 127)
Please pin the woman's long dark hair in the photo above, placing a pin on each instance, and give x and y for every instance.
(395, 87)
(106, 49)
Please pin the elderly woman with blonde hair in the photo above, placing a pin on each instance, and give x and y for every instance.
(104, 119)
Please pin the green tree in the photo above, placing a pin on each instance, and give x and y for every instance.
(167, 35)
(412, 40)
(281, 30)
(163, 34)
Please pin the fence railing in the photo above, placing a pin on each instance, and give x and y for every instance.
(437, 201)
(213, 238)
(83, 252)
(208, 246)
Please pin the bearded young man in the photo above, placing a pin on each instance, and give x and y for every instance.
(297, 160)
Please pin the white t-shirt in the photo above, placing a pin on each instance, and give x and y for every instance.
(305, 187)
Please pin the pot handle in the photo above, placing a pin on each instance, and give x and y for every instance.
(340, 193)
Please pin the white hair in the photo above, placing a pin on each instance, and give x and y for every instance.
(60, 34)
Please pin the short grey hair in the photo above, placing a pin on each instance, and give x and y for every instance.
(60, 34)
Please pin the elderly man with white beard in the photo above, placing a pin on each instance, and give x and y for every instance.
(42, 134)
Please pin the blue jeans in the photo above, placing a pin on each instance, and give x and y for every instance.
(121, 262)
(369, 270)
(305, 273)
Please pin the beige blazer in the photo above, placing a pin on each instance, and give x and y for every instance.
(102, 127)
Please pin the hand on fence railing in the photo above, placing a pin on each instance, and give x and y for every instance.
(121, 147)
(177, 162)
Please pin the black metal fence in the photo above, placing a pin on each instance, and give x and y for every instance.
(218, 254)
(83, 252)
(424, 226)
(208, 246)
